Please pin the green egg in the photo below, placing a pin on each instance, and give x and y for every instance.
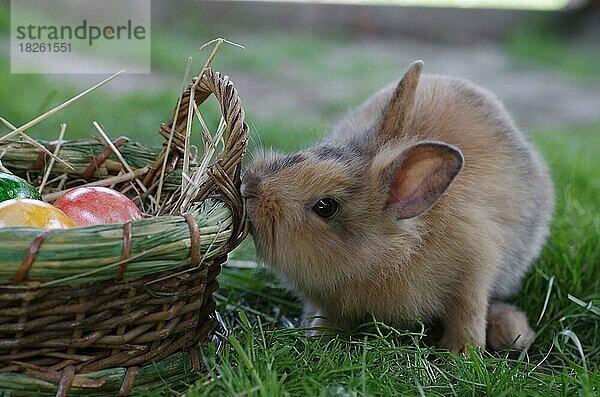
(13, 187)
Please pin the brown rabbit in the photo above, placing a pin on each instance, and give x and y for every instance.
(425, 203)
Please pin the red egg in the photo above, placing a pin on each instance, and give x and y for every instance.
(97, 205)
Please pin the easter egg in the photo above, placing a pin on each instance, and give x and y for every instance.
(13, 187)
(97, 205)
(33, 213)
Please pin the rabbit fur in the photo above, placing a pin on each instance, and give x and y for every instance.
(442, 205)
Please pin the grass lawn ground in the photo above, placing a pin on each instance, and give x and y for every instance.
(267, 355)
(561, 295)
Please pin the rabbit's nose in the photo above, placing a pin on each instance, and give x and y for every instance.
(244, 190)
(249, 186)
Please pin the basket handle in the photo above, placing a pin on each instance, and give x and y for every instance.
(225, 172)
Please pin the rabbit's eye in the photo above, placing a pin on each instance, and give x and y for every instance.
(327, 208)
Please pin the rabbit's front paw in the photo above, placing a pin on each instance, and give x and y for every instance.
(467, 324)
(453, 344)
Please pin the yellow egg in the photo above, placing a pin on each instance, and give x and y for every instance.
(33, 213)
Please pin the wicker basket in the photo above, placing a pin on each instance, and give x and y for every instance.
(138, 320)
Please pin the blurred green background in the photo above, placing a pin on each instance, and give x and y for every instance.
(295, 82)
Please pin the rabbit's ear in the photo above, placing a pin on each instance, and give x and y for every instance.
(419, 176)
(395, 115)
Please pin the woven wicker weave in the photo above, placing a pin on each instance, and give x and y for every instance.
(71, 336)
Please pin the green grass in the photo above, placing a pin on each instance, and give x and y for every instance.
(138, 114)
(171, 48)
(265, 356)
(4, 17)
(540, 42)
(135, 115)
